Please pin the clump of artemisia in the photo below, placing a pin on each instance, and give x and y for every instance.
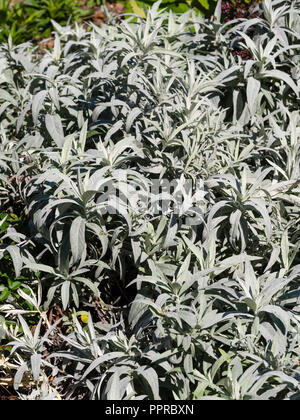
(239, 9)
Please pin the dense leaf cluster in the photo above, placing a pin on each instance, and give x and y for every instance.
(188, 299)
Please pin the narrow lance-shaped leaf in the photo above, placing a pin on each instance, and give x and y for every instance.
(77, 238)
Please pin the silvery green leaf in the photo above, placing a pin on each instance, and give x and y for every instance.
(116, 127)
(7, 97)
(285, 249)
(19, 375)
(296, 73)
(280, 75)
(150, 375)
(54, 95)
(65, 293)
(75, 295)
(55, 128)
(218, 11)
(102, 360)
(171, 233)
(15, 254)
(274, 374)
(21, 117)
(25, 328)
(273, 258)
(67, 146)
(82, 137)
(133, 114)
(282, 315)
(37, 104)
(114, 387)
(213, 318)
(224, 358)
(253, 88)
(88, 283)
(270, 394)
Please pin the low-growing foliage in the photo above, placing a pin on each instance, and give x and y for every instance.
(149, 195)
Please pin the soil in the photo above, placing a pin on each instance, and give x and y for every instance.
(98, 18)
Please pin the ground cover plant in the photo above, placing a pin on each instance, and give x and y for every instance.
(149, 194)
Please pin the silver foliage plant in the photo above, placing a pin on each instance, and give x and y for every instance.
(85, 131)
